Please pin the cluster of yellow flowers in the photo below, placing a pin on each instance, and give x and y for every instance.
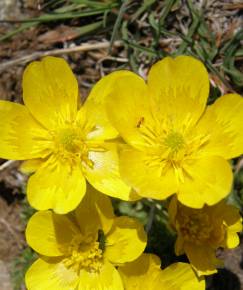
(130, 139)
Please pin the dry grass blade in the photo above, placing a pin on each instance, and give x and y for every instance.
(38, 54)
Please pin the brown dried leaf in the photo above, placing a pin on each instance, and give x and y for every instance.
(60, 34)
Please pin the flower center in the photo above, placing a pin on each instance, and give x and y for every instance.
(70, 145)
(85, 253)
(169, 145)
(70, 140)
(195, 226)
(174, 141)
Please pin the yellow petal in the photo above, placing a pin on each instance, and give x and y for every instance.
(222, 122)
(107, 279)
(50, 92)
(231, 221)
(141, 273)
(232, 239)
(180, 276)
(97, 209)
(226, 212)
(229, 214)
(202, 258)
(145, 273)
(48, 233)
(207, 181)
(172, 210)
(128, 106)
(30, 166)
(56, 185)
(95, 106)
(139, 171)
(52, 276)
(179, 88)
(21, 136)
(96, 125)
(179, 245)
(126, 240)
(234, 227)
(104, 174)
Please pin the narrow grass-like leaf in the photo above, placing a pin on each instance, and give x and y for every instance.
(118, 23)
(145, 6)
(21, 28)
(168, 4)
(196, 18)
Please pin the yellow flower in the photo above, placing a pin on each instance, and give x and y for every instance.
(63, 142)
(145, 273)
(81, 250)
(175, 143)
(200, 232)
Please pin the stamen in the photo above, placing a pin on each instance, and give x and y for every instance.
(195, 226)
(170, 147)
(71, 146)
(84, 254)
